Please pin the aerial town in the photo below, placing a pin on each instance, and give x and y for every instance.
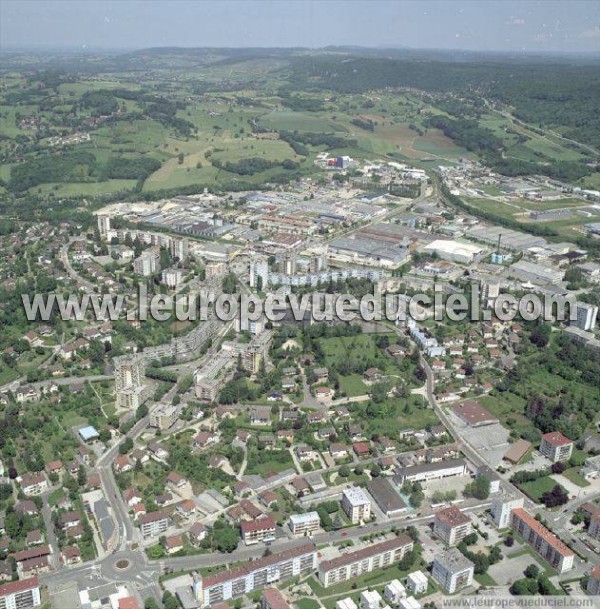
(298, 463)
(299, 321)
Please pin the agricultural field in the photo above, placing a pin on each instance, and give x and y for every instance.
(195, 119)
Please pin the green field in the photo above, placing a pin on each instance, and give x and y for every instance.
(199, 102)
(353, 385)
(575, 477)
(537, 488)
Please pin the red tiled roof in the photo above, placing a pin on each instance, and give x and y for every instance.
(543, 532)
(152, 517)
(555, 438)
(128, 602)
(275, 599)
(251, 526)
(452, 516)
(18, 586)
(34, 553)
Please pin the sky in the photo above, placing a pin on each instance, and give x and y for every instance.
(484, 25)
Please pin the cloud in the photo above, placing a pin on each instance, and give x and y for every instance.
(593, 33)
(515, 21)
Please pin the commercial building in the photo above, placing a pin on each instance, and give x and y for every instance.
(536, 273)
(502, 508)
(556, 446)
(454, 251)
(354, 564)
(21, 594)
(451, 525)
(356, 504)
(517, 451)
(386, 497)
(545, 543)
(368, 251)
(153, 524)
(509, 239)
(452, 571)
(473, 414)
(254, 575)
(304, 524)
(431, 471)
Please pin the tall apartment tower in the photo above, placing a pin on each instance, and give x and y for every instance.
(587, 315)
(502, 508)
(104, 226)
(259, 267)
(288, 264)
(179, 248)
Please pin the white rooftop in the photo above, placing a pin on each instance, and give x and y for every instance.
(356, 496)
(304, 518)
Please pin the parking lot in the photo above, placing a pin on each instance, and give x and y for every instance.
(508, 570)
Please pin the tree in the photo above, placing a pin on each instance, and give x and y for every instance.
(375, 470)
(524, 587)
(577, 518)
(344, 471)
(125, 446)
(224, 537)
(557, 496)
(532, 571)
(479, 488)
(150, 603)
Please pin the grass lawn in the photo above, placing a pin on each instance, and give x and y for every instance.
(55, 496)
(485, 579)
(8, 375)
(537, 488)
(261, 467)
(370, 580)
(307, 603)
(352, 385)
(575, 477)
(509, 408)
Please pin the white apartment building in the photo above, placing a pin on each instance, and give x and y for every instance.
(452, 570)
(502, 508)
(356, 504)
(22, 594)
(304, 524)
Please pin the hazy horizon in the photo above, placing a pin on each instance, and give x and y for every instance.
(507, 26)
